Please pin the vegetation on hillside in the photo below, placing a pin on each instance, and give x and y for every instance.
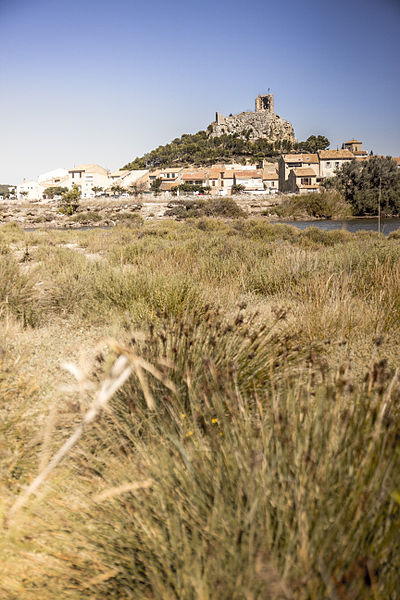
(200, 149)
(366, 183)
(253, 451)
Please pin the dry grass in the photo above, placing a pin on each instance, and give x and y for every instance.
(267, 468)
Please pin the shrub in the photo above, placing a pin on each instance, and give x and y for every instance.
(214, 207)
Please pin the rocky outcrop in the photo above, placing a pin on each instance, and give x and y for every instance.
(253, 125)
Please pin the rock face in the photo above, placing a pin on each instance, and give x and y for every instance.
(263, 123)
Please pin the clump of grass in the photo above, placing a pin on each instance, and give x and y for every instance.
(18, 294)
(86, 217)
(284, 488)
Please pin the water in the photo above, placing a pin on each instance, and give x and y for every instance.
(352, 225)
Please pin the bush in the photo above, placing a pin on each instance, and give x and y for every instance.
(321, 205)
(214, 207)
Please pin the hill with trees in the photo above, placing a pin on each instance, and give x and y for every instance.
(202, 150)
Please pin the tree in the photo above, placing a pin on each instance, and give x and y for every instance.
(97, 189)
(53, 191)
(155, 185)
(117, 190)
(238, 188)
(314, 143)
(138, 188)
(70, 200)
(363, 182)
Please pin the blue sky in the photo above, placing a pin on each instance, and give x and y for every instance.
(101, 81)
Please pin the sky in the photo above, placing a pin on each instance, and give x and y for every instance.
(95, 81)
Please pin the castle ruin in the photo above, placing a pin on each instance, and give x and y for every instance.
(262, 123)
(265, 103)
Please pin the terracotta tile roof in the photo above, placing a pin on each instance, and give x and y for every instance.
(307, 158)
(360, 152)
(248, 174)
(334, 154)
(195, 176)
(396, 160)
(304, 172)
(166, 186)
(270, 175)
(228, 174)
(311, 158)
(119, 173)
(353, 142)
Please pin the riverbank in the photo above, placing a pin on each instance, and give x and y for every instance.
(108, 212)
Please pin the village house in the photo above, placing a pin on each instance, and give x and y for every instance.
(270, 181)
(136, 179)
(355, 146)
(197, 177)
(331, 160)
(87, 177)
(287, 162)
(302, 180)
(30, 190)
(251, 180)
(54, 178)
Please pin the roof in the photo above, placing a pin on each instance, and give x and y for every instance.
(55, 174)
(308, 158)
(304, 172)
(270, 175)
(119, 173)
(166, 186)
(172, 170)
(396, 160)
(334, 154)
(91, 168)
(256, 174)
(360, 152)
(194, 176)
(353, 142)
(228, 174)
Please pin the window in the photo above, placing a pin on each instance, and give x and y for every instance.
(328, 164)
(336, 164)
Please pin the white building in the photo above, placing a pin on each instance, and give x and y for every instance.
(250, 179)
(126, 178)
(87, 177)
(57, 177)
(30, 190)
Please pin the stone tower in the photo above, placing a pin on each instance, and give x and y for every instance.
(265, 103)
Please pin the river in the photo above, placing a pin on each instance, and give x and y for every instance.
(352, 225)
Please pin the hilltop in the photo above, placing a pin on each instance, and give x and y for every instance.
(246, 137)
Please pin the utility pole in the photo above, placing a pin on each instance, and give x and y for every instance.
(379, 204)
